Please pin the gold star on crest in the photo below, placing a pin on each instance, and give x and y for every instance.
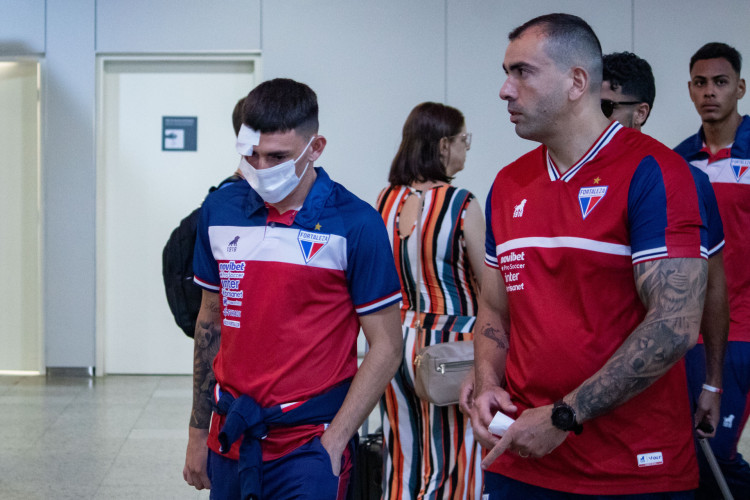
(317, 227)
(597, 180)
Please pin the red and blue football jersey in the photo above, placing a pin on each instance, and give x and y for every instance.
(566, 245)
(291, 295)
(729, 173)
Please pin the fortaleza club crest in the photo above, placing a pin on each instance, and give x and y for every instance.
(739, 168)
(589, 197)
(311, 243)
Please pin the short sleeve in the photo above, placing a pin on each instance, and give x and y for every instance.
(371, 269)
(709, 211)
(205, 268)
(490, 247)
(664, 213)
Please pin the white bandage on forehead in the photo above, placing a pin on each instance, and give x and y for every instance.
(246, 139)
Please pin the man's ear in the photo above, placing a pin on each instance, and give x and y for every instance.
(580, 83)
(741, 88)
(317, 147)
(641, 114)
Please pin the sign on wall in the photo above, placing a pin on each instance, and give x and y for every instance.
(179, 133)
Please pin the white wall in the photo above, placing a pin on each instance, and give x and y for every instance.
(369, 62)
(177, 26)
(69, 183)
(667, 34)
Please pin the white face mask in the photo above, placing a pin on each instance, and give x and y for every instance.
(275, 183)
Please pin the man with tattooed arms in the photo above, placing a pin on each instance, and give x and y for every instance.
(593, 290)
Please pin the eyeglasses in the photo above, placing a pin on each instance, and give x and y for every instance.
(466, 138)
(609, 106)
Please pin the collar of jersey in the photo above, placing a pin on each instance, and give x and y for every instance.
(740, 147)
(603, 140)
(309, 214)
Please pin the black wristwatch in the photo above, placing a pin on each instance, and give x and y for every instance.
(564, 417)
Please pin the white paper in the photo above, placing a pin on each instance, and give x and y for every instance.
(500, 424)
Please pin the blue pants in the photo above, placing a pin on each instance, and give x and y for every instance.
(733, 414)
(303, 474)
(501, 488)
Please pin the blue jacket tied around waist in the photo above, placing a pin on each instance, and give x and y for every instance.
(246, 418)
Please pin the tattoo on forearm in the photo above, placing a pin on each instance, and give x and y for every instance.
(494, 334)
(673, 291)
(207, 339)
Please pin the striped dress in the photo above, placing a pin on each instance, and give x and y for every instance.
(430, 451)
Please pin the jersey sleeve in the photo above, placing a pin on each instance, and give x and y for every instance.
(371, 270)
(664, 212)
(205, 267)
(490, 247)
(709, 211)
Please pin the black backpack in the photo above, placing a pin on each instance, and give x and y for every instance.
(183, 295)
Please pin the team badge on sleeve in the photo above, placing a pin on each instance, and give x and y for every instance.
(311, 243)
(589, 197)
(740, 168)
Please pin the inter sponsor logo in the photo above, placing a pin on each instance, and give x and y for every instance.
(739, 168)
(589, 197)
(230, 284)
(650, 459)
(311, 243)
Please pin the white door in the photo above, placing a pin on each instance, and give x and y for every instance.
(20, 247)
(144, 190)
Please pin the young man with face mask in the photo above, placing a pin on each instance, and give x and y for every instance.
(292, 265)
(721, 149)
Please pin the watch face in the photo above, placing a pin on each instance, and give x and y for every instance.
(562, 417)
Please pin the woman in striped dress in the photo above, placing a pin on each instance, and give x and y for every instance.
(429, 451)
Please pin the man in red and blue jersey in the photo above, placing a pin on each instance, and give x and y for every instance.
(596, 254)
(291, 265)
(721, 149)
(628, 93)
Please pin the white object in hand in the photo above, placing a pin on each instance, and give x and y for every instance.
(500, 424)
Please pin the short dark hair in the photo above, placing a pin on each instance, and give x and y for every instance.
(237, 116)
(715, 50)
(632, 74)
(281, 105)
(418, 156)
(570, 42)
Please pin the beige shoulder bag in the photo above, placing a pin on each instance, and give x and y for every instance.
(439, 369)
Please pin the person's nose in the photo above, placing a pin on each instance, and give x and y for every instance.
(507, 92)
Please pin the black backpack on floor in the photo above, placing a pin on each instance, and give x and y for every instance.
(183, 295)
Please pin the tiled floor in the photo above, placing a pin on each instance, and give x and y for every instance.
(114, 437)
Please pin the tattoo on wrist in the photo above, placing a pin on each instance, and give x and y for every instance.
(494, 334)
(207, 340)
